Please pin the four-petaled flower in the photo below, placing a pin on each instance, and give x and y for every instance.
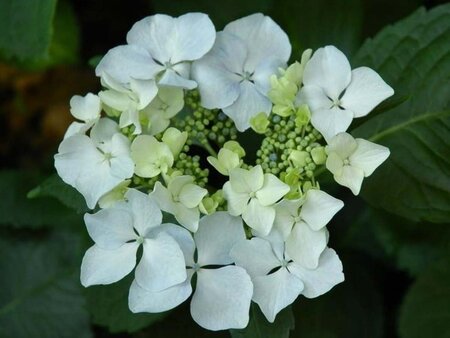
(118, 232)
(95, 165)
(235, 75)
(336, 94)
(252, 194)
(350, 160)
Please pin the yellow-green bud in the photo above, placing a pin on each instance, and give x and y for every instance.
(319, 155)
(302, 115)
(298, 158)
(259, 123)
(235, 147)
(175, 139)
(208, 205)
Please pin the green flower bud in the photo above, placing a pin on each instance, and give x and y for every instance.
(298, 158)
(175, 139)
(319, 155)
(208, 205)
(302, 115)
(235, 147)
(259, 123)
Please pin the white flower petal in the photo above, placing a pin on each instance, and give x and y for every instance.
(366, 90)
(163, 198)
(320, 280)
(319, 208)
(328, 69)
(120, 101)
(330, 122)
(259, 217)
(222, 298)
(263, 71)
(145, 90)
(77, 128)
(249, 103)
(315, 98)
(195, 37)
(191, 195)
(273, 189)
(264, 38)
(110, 228)
(304, 245)
(343, 144)
(236, 201)
(216, 72)
(85, 108)
(156, 34)
(162, 264)
(243, 180)
(121, 163)
(172, 79)
(103, 131)
(276, 291)
(187, 217)
(216, 235)
(142, 300)
(368, 156)
(81, 165)
(184, 240)
(286, 212)
(128, 61)
(146, 214)
(130, 117)
(351, 177)
(255, 256)
(107, 266)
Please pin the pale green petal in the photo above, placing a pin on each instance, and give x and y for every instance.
(191, 195)
(334, 164)
(304, 245)
(273, 189)
(259, 217)
(177, 183)
(150, 156)
(237, 201)
(175, 139)
(368, 156)
(351, 177)
(243, 180)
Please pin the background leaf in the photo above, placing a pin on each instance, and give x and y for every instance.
(316, 23)
(413, 56)
(352, 309)
(26, 27)
(41, 296)
(19, 211)
(259, 327)
(425, 311)
(108, 305)
(54, 186)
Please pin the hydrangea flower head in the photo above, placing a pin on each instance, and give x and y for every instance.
(242, 224)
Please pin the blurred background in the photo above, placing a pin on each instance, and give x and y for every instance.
(397, 266)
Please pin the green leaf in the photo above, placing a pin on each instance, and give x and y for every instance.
(353, 309)
(26, 27)
(393, 240)
(108, 305)
(65, 45)
(425, 311)
(67, 195)
(19, 211)
(413, 56)
(40, 294)
(316, 23)
(259, 327)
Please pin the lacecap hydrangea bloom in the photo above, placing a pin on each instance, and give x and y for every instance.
(158, 157)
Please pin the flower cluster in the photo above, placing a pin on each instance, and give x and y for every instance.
(158, 154)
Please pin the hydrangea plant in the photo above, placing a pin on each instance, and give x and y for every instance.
(160, 160)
